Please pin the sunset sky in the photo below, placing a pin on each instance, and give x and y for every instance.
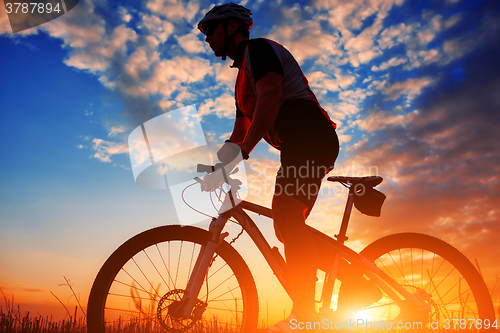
(414, 87)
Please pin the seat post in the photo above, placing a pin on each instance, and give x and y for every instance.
(326, 294)
(341, 237)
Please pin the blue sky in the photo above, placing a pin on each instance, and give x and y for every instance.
(413, 86)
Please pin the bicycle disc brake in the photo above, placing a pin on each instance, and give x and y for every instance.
(166, 312)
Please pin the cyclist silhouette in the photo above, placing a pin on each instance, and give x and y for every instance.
(274, 103)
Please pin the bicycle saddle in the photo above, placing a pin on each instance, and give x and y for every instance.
(368, 181)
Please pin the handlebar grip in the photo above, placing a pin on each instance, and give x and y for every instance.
(208, 168)
(205, 168)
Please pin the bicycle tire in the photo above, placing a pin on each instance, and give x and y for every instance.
(157, 255)
(465, 296)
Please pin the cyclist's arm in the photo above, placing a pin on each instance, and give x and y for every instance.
(269, 100)
(241, 125)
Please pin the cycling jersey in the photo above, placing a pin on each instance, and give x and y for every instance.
(262, 56)
(302, 131)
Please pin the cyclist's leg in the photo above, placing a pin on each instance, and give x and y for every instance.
(356, 292)
(309, 149)
(300, 252)
(297, 187)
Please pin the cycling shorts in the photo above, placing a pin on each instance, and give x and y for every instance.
(309, 148)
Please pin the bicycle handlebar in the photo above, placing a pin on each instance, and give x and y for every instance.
(208, 168)
(211, 182)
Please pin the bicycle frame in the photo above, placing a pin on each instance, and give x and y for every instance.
(334, 250)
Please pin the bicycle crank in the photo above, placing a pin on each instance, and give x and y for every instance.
(408, 311)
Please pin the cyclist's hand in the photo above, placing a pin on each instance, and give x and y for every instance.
(212, 181)
(231, 153)
(235, 184)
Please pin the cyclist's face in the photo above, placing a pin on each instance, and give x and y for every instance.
(215, 37)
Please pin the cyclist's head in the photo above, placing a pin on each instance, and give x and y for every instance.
(223, 14)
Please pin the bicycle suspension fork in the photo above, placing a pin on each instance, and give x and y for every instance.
(202, 265)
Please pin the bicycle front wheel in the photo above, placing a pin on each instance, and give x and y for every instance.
(144, 279)
(435, 271)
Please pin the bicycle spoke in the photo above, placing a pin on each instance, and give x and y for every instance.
(439, 297)
(444, 282)
(145, 277)
(178, 264)
(133, 279)
(166, 267)
(146, 285)
(225, 293)
(212, 274)
(220, 284)
(422, 267)
(411, 261)
(156, 269)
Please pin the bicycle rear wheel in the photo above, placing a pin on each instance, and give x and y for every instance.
(452, 286)
(146, 275)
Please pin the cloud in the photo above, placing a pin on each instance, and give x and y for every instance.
(349, 15)
(171, 75)
(416, 37)
(361, 49)
(139, 63)
(225, 75)
(105, 149)
(322, 81)
(116, 130)
(174, 10)
(124, 13)
(84, 35)
(440, 164)
(223, 106)
(19, 287)
(300, 37)
(158, 28)
(394, 35)
(381, 120)
(191, 42)
(409, 88)
(348, 18)
(391, 63)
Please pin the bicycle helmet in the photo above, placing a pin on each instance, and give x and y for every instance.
(225, 13)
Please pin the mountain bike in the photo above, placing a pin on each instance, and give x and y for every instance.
(179, 278)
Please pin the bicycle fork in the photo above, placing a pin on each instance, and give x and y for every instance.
(201, 267)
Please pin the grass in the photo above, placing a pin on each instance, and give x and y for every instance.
(13, 320)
